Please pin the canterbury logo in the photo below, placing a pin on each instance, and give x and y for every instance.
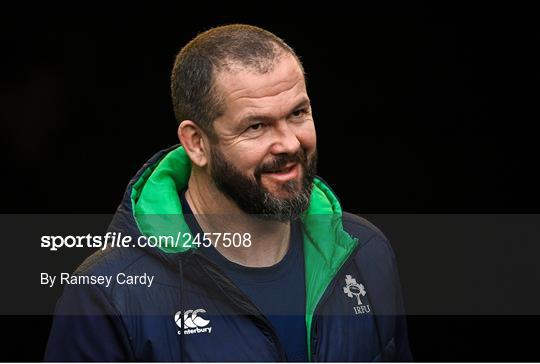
(193, 323)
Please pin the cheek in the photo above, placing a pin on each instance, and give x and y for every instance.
(307, 136)
(247, 158)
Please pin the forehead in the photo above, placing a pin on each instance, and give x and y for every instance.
(246, 89)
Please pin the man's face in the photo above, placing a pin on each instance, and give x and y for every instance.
(265, 157)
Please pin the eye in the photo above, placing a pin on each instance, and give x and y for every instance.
(257, 126)
(299, 112)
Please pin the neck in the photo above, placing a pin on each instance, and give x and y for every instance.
(217, 214)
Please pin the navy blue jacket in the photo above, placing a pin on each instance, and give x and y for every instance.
(194, 312)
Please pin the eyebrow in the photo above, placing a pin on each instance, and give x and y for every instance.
(305, 102)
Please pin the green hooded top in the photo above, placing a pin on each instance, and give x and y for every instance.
(158, 212)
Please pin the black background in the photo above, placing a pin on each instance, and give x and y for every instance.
(418, 110)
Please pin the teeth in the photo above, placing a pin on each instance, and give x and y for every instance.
(280, 170)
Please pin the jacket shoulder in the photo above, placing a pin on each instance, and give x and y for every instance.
(373, 242)
(352, 220)
(361, 228)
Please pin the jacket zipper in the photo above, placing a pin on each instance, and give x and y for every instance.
(252, 309)
(323, 300)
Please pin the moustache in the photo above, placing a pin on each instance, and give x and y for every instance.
(280, 161)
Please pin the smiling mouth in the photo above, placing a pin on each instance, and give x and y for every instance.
(282, 170)
(284, 174)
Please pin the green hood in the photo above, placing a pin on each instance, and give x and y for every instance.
(158, 212)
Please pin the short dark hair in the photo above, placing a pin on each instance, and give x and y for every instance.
(194, 94)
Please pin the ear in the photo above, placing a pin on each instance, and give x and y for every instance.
(194, 142)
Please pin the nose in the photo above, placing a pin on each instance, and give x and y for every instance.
(285, 139)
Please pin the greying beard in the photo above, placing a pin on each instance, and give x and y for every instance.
(287, 209)
(253, 198)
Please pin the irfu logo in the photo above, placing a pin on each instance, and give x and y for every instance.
(355, 289)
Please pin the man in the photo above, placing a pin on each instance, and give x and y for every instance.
(271, 269)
